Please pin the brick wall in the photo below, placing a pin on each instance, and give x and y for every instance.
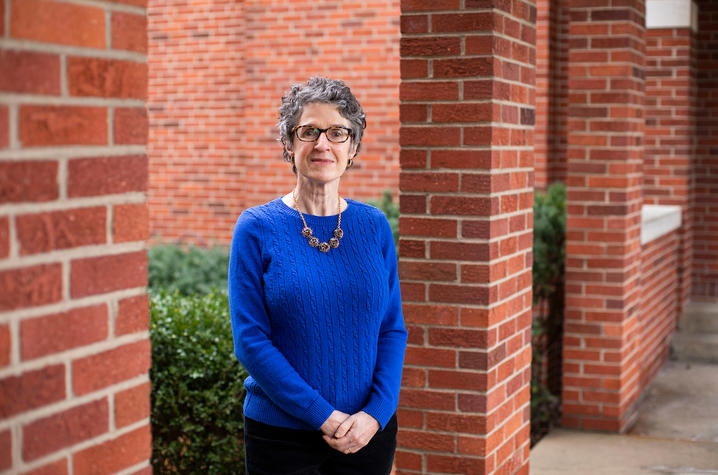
(605, 158)
(668, 175)
(466, 184)
(551, 92)
(659, 302)
(218, 71)
(74, 347)
(196, 82)
(705, 251)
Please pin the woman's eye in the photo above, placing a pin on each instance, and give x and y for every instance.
(308, 132)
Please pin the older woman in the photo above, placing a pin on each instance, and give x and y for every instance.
(315, 305)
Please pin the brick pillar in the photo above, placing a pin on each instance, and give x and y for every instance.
(74, 346)
(465, 251)
(605, 153)
(670, 123)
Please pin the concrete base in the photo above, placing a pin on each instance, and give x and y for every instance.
(699, 317)
(565, 452)
(697, 338)
(702, 347)
(681, 403)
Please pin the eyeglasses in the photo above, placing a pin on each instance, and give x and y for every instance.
(308, 133)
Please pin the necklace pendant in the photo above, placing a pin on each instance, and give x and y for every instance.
(308, 234)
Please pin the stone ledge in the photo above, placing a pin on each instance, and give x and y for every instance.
(657, 220)
(671, 14)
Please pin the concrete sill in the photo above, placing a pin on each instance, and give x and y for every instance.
(657, 220)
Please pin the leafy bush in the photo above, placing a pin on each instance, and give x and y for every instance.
(391, 210)
(195, 271)
(549, 252)
(549, 249)
(197, 386)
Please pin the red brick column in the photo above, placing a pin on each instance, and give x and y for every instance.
(670, 133)
(465, 253)
(74, 347)
(605, 154)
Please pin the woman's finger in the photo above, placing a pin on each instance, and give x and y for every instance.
(344, 427)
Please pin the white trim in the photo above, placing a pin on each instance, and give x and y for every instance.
(657, 220)
(671, 14)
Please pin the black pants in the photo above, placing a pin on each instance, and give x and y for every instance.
(271, 450)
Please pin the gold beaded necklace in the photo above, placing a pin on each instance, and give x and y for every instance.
(308, 234)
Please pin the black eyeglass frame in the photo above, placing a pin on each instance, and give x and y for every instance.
(350, 133)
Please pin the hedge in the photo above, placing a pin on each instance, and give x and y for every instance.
(194, 271)
(197, 386)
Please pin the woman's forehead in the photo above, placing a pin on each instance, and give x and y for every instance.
(320, 114)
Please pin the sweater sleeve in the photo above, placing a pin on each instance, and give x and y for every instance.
(384, 397)
(251, 330)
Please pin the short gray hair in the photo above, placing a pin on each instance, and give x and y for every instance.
(324, 91)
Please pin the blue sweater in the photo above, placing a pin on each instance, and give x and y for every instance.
(316, 332)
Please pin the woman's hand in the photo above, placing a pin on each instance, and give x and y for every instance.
(330, 426)
(353, 433)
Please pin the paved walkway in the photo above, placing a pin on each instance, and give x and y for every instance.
(676, 432)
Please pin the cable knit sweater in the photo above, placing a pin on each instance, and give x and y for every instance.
(316, 332)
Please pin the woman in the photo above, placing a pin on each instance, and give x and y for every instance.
(315, 305)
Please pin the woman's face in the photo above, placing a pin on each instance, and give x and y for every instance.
(321, 161)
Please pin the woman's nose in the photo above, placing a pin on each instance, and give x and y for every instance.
(322, 142)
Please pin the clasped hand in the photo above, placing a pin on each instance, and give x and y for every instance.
(349, 434)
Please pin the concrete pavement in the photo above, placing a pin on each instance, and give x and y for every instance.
(568, 452)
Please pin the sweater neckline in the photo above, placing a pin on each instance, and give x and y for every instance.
(315, 218)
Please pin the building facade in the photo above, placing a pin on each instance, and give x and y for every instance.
(471, 106)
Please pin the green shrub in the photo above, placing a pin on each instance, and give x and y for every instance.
(549, 251)
(197, 386)
(195, 271)
(391, 210)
